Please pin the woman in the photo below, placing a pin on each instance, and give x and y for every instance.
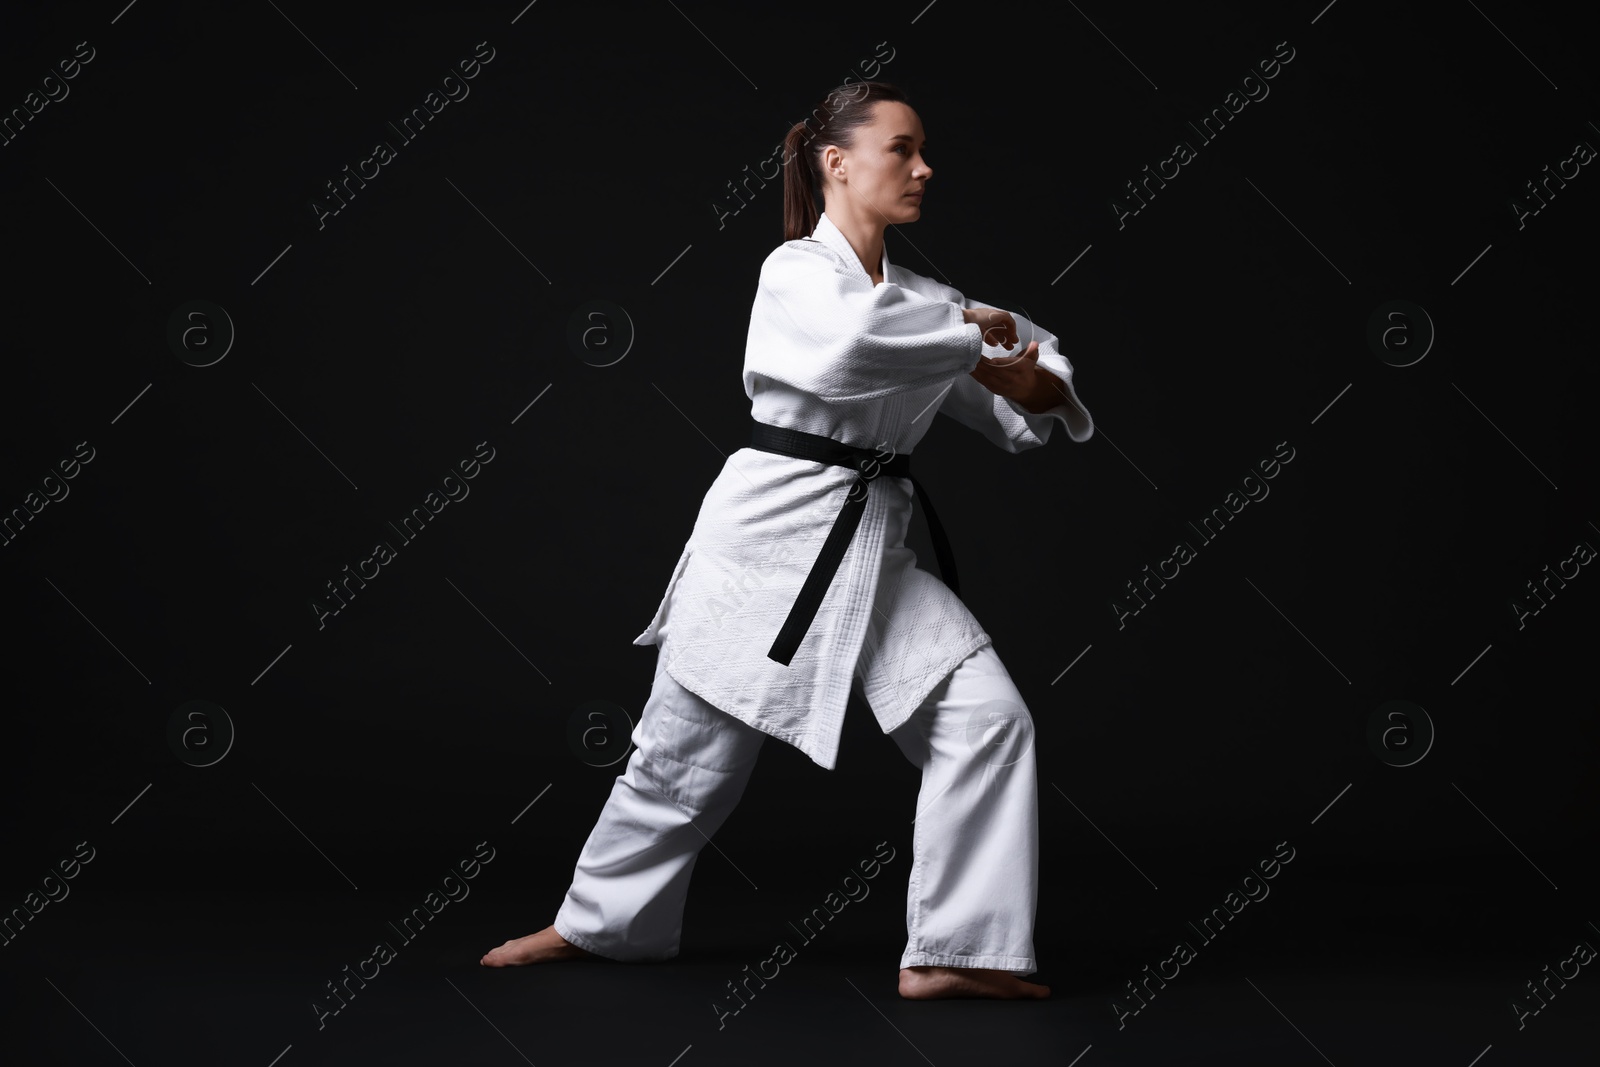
(796, 583)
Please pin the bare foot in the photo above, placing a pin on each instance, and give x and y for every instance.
(546, 946)
(938, 983)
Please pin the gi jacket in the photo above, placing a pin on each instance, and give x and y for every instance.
(830, 353)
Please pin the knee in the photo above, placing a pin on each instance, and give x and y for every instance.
(1001, 733)
(1019, 734)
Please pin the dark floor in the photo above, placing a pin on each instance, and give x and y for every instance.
(194, 977)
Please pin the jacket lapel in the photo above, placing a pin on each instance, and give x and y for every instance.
(834, 238)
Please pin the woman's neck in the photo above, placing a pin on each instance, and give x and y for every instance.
(866, 238)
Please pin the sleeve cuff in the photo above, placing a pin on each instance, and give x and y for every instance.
(1070, 413)
(974, 333)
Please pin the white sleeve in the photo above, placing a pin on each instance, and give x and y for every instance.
(817, 328)
(1003, 421)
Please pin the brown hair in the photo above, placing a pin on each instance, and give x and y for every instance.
(834, 121)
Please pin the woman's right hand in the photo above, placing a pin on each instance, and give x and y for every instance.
(999, 328)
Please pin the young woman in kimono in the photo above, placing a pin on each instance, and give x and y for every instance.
(845, 346)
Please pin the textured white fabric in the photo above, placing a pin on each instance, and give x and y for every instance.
(831, 353)
(973, 885)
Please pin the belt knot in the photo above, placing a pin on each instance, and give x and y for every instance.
(868, 465)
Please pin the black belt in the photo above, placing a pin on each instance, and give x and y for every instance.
(868, 465)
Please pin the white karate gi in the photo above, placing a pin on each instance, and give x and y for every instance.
(832, 354)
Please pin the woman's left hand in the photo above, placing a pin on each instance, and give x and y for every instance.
(1019, 378)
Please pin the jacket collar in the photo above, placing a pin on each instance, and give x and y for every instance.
(834, 238)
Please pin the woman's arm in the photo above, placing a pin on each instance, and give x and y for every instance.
(1020, 378)
(1023, 380)
(824, 330)
(1031, 401)
(1041, 397)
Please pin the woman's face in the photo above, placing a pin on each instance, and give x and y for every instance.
(884, 167)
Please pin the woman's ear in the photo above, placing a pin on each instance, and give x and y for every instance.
(832, 159)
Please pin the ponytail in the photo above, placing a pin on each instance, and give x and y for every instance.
(834, 121)
(799, 182)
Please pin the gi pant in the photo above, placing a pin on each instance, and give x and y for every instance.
(973, 885)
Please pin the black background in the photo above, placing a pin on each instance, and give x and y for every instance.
(373, 352)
